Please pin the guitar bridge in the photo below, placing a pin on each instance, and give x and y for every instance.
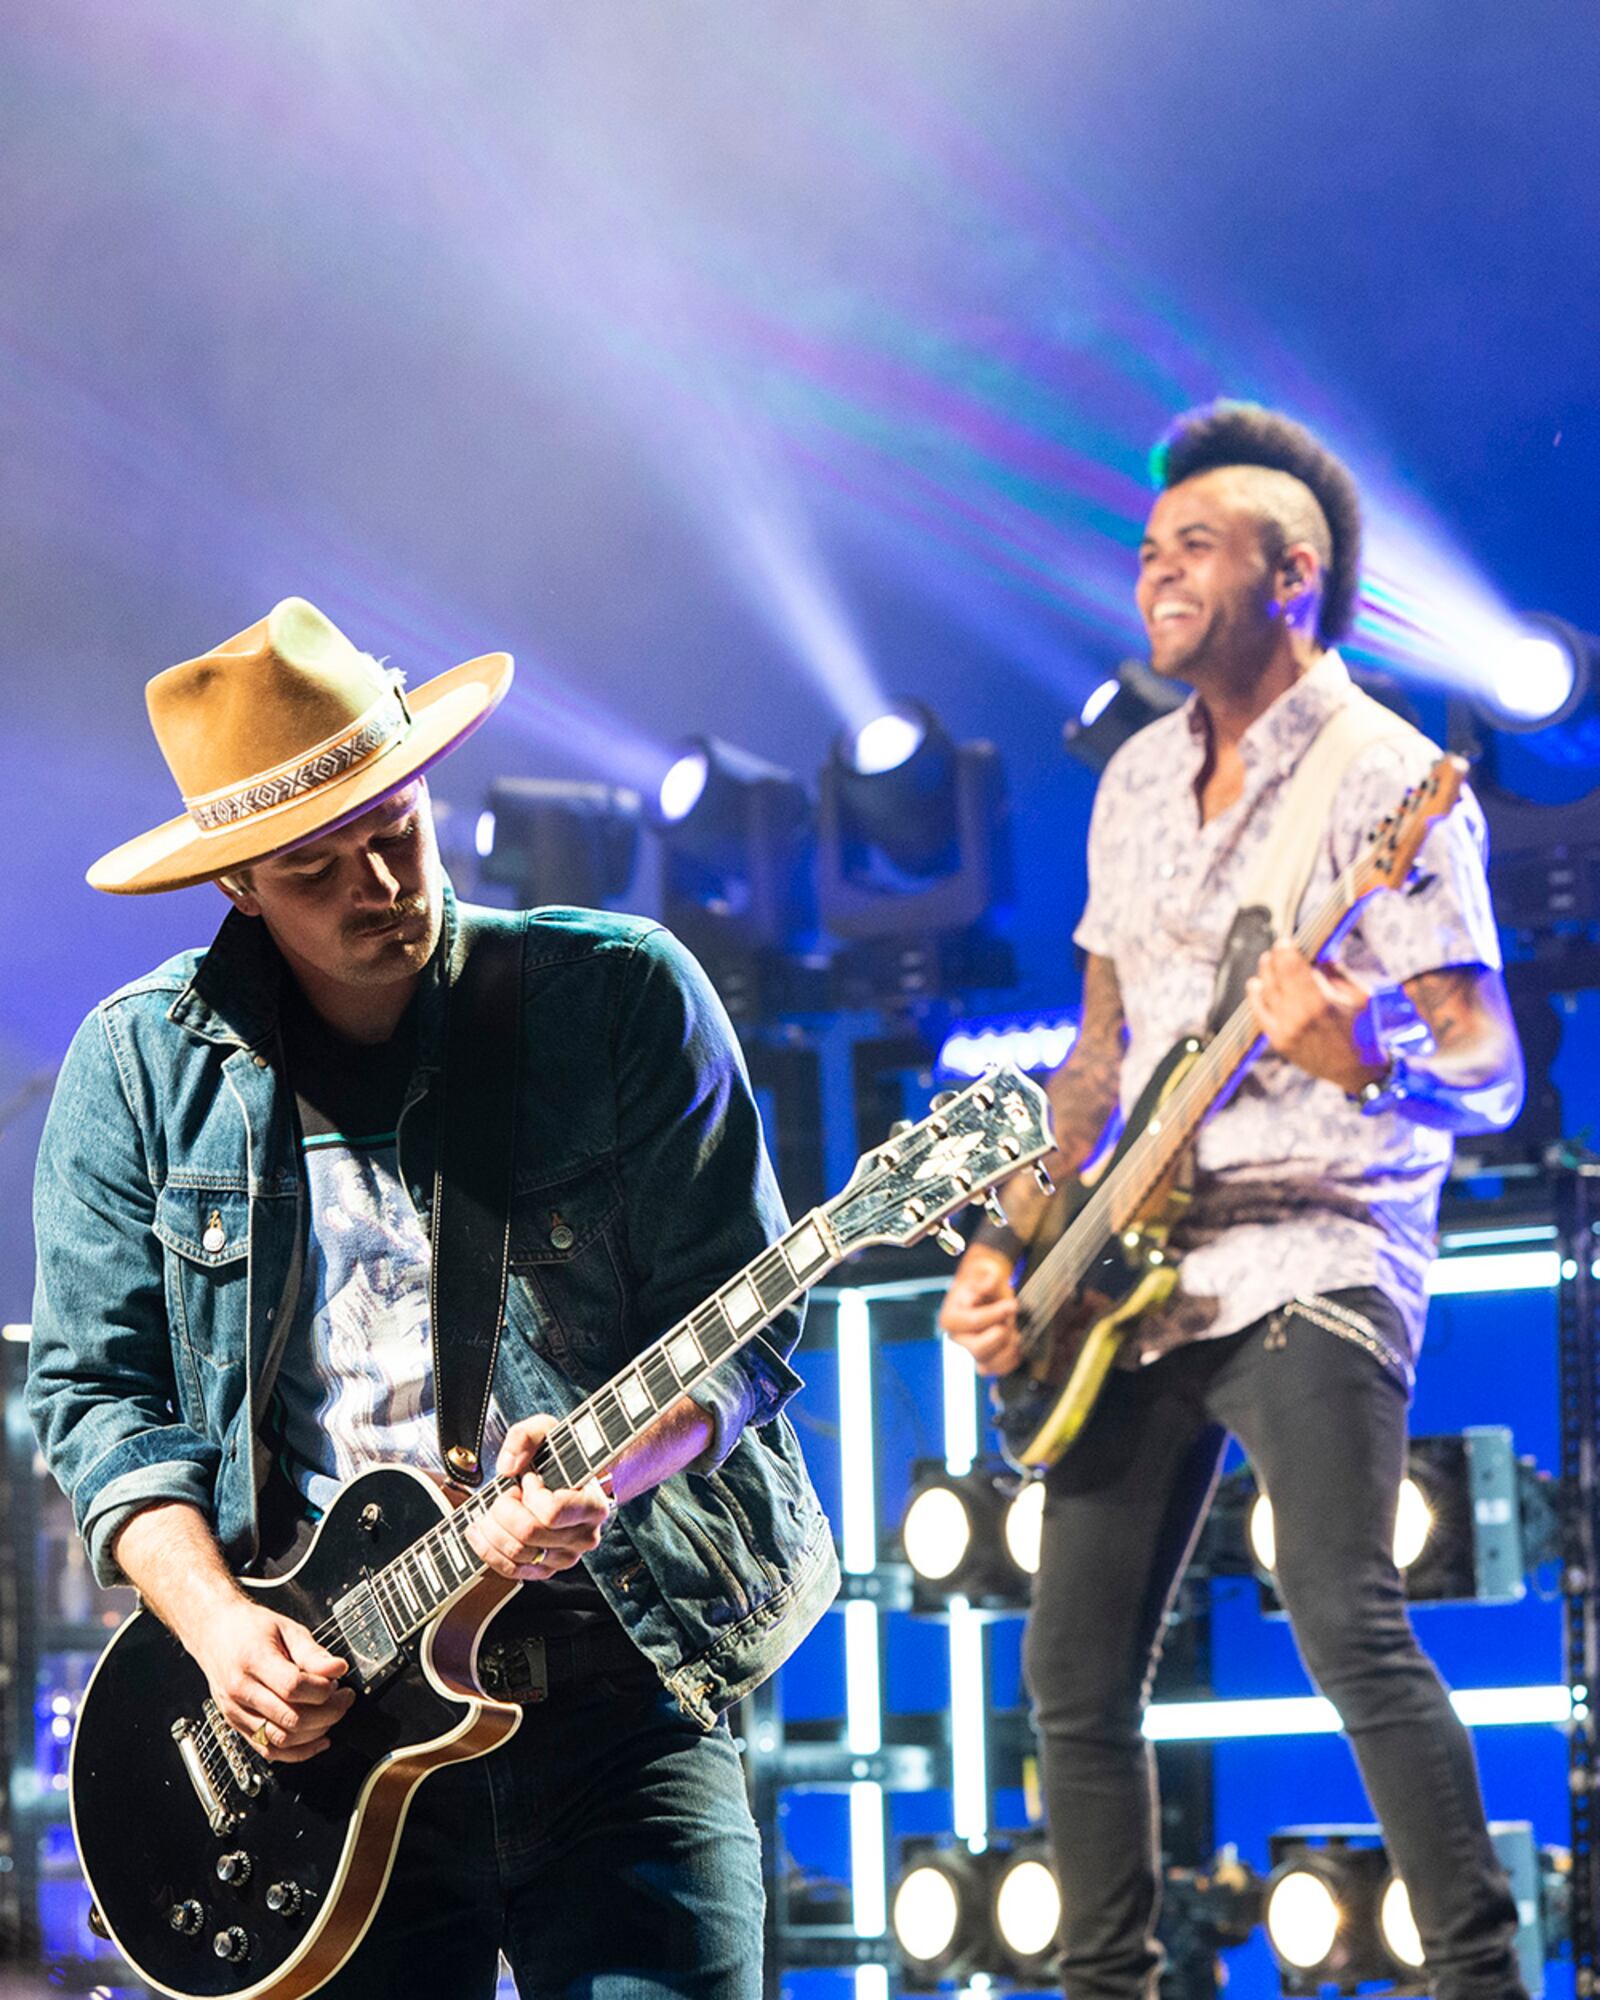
(245, 1771)
(186, 1736)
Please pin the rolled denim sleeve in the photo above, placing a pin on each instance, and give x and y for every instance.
(702, 1200)
(101, 1391)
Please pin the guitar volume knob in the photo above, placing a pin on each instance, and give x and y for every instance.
(186, 1917)
(284, 1899)
(232, 1945)
(234, 1868)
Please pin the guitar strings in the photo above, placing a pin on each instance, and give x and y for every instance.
(1057, 1278)
(1061, 1273)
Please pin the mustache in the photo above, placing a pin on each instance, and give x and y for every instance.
(402, 911)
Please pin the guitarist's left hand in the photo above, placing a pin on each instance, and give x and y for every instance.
(538, 1530)
(1316, 1016)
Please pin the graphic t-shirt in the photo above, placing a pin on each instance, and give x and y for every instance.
(355, 1385)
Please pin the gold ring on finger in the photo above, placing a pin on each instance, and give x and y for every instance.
(258, 1736)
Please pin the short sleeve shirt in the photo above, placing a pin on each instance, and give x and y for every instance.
(1296, 1192)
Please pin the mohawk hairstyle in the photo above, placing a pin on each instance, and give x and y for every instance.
(1228, 433)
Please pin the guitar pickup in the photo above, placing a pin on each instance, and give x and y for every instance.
(367, 1640)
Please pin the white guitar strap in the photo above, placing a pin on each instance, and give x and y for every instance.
(1282, 868)
(1277, 879)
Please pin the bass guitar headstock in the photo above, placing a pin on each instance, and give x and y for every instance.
(1392, 846)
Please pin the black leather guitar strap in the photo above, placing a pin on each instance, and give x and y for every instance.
(472, 1186)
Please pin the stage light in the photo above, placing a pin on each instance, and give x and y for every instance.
(1024, 1526)
(927, 1915)
(550, 841)
(735, 877)
(1412, 1523)
(1337, 1914)
(1320, 1910)
(936, 1533)
(964, 1538)
(1117, 709)
(1396, 1925)
(965, 1915)
(1471, 1521)
(1540, 679)
(939, 1913)
(1026, 1909)
(681, 787)
(1039, 1043)
(913, 859)
(1302, 1917)
(888, 741)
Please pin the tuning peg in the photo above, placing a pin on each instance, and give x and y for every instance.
(993, 1208)
(899, 1128)
(1046, 1185)
(949, 1240)
(944, 1097)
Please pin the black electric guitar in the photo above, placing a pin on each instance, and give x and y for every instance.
(216, 1872)
(1099, 1257)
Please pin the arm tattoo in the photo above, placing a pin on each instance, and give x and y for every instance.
(1450, 1002)
(1472, 1080)
(1083, 1097)
(1083, 1092)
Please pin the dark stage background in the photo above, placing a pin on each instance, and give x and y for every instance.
(736, 366)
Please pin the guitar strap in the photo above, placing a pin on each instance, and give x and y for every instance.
(1278, 877)
(472, 1183)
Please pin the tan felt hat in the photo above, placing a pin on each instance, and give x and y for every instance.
(282, 733)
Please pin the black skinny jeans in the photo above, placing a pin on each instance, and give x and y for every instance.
(1323, 1424)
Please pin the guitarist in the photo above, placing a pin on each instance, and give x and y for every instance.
(234, 1197)
(1305, 1247)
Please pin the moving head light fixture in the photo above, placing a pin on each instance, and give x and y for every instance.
(1118, 708)
(736, 880)
(913, 859)
(549, 841)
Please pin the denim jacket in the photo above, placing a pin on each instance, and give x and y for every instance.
(170, 1209)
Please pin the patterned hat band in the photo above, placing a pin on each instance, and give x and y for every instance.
(386, 723)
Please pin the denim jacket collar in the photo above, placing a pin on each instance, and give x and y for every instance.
(235, 991)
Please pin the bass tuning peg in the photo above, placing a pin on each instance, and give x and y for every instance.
(944, 1097)
(1046, 1185)
(994, 1208)
(899, 1128)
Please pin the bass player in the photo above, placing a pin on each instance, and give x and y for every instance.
(1305, 1246)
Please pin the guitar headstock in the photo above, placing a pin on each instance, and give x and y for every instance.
(1392, 845)
(903, 1189)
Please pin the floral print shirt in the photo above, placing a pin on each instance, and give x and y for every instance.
(1296, 1191)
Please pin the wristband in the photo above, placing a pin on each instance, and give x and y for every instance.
(1384, 1093)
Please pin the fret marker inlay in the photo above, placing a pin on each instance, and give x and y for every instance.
(634, 1396)
(741, 1305)
(684, 1355)
(589, 1435)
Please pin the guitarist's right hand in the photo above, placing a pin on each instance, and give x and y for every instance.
(980, 1310)
(265, 1668)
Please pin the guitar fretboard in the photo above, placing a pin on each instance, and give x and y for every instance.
(441, 1564)
(1121, 1199)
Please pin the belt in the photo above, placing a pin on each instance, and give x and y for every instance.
(530, 1670)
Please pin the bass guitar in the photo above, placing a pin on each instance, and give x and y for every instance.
(216, 1872)
(1099, 1258)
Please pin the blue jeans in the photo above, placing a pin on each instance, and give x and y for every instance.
(607, 1850)
(1324, 1426)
